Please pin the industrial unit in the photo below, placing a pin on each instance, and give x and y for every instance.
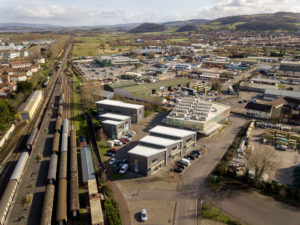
(114, 129)
(28, 108)
(198, 115)
(136, 112)
(159, 148)
(114, 125)
(116, 60)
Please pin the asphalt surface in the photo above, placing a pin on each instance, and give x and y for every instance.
(250, 207)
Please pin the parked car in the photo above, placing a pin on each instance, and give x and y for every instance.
(240, 101)
(197, 152)
(188, 158)
(126, 138)
(113, 150)
(144, 215)
(112, 161)
(244, 100)
(131, 133)
(124, 168)
(178, 170)
(109, 153)
(180, 165)
(187, 162)
(123, 141)
(195, 155)
(117, 142)
(116, 163)
(124, 161)
(191, 156)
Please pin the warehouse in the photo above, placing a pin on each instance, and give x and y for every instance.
(136, 112)
(174, 147)
(116, 117)
(146, 160)
(88, 171)
(187, 137)
(116, 60)
(28, 108)
(271, 94)
(198, 115)
(114, 129)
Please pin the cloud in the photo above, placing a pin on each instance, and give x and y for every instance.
(222, 8)
(41, 11)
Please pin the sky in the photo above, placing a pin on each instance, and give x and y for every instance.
(109, 12)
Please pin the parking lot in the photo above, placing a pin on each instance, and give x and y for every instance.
(285, 160)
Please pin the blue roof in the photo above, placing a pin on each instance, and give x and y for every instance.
(88, 171)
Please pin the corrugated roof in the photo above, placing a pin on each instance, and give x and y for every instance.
(88, 172)
(283, 93)
(170, 131)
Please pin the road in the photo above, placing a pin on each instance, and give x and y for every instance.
(252, 208)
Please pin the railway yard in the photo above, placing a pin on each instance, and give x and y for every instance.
(33, 180)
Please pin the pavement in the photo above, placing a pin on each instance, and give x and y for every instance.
(250, 207)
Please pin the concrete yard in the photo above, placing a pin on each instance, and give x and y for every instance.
(163, 216)
(285, 160)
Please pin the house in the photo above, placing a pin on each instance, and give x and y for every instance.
(18, 77)
(40, 60)
(19, 64)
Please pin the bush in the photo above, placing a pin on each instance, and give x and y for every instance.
(113, 214)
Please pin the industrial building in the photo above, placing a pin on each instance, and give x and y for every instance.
(157, 149)
(88, 171)
(289, 68)
(198, 115)
(116, 60)
(114, 129)
(28, 108)
(114, 125)
(272, 94)
(136, 112)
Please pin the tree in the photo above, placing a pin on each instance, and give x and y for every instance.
(216, 85)
(25, 87)
(7, 113)
(261, 162)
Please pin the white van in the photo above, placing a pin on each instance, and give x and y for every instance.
(188, 162)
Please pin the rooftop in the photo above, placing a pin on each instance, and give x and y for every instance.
(283, 93)
(176, 132)
(159, 141)
(88, 172)
(111, 122)
(146, 151)
(120, 104)
(31, 100)
(258, 107)
(115, 116)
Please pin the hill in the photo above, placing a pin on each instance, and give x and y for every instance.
(187, 28)
(274, 21)
(148, 27)
(193, 22)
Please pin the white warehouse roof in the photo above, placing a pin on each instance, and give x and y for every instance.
(150, 139)
(176, 132)
(112, 122)
(146, 151)
(114, 116)
(120, 104)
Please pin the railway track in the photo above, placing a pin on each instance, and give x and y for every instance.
(8, 164)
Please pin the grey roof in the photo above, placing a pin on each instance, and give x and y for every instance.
(64, 143)
(282, 93)
(52, 167)
(32, 136)
(88, 172)
(20, 166)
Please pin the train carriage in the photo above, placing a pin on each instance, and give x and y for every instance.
(32, 138)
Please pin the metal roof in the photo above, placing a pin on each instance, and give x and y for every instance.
(113, 116)
(32, 136)
(170, 131)
(48, 205)
(112, 122)
(63, 165)
(119, 103)
(146, 151)
(159, 141)
(20, 166)
(283, 93)
(88, 172)
(52, 167)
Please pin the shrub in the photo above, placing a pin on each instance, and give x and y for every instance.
(113, 215)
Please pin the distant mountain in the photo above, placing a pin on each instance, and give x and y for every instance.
(28, 25)
(148, 27)
(274, 21)
(193, 22)
(187, 28)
